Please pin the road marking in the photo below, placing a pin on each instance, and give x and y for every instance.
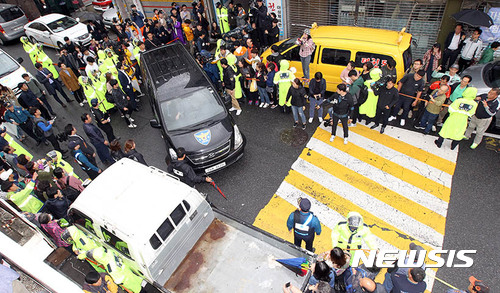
(387, 166)
(406, 148)
(384, 179)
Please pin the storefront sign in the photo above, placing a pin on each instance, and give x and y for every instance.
(276, 7)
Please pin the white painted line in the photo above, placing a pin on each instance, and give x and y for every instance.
(370, 204)
(326, 215)
(403, 160)
(424, 142)
(395, 184)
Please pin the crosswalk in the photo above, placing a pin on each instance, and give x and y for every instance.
(399, 181)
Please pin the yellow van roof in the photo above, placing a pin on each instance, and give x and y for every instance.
(370, 35)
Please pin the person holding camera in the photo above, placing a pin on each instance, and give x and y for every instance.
(387, 97)
(137, 16)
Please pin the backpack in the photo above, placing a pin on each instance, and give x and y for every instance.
(363, 94)
(71, 193)
(109, 97)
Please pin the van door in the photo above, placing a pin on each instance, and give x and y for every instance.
(331, 62)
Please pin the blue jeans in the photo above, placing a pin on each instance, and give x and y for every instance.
(296, 111)
(305, 65)
(264, 96)
(428, 120)
(312, 106)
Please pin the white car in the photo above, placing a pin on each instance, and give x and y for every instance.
(11, 71)
(108, 15)
(51, 29)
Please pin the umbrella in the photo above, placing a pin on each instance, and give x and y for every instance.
(87, 15)
(473, 17)
(297, 265)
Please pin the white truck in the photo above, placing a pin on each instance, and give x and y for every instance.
(170, 233)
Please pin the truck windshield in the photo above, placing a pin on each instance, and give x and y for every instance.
(190, 111)
(7, 65)
(62, 24)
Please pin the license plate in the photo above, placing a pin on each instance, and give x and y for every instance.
(216, 167)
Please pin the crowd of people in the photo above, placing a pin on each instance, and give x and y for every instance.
(106, 77)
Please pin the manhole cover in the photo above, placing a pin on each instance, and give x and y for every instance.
(492, 144)
(294, 137)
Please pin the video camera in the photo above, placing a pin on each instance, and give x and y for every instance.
(381, 83)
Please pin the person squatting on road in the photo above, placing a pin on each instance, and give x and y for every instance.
(182, 170)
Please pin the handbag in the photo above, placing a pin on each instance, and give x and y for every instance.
(253, 86)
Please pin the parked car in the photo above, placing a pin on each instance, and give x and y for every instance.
(102, 5)
(108, 15)
(11, 71)
(189, 110)
(51, 29)
(12, 21)
(484, 78)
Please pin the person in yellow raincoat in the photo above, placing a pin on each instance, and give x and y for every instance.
(223, 16)
(283, 78)
(231, 61)
(58, 161)
(460, 110)
(369, 107)
(30, 49)
(220, 52)
(94, 90)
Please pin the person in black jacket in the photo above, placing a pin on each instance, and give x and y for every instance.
(122, 102)
(262, 22)
(452, 47)
(57, 204)
(116, 150)
(181, 169)
(317, 90)
(342, 103)
(387, 97)
(126, 85)
(297, 95)
(273, 33)
(44, 76)
(103, 120)
(229, 83)
(86, 149)
(130, 152)
(97, 139)
(27, 100)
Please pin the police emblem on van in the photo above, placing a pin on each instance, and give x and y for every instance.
(203, 137)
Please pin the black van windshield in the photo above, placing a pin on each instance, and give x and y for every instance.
(188, 112)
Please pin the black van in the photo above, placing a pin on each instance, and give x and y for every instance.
(189, 110)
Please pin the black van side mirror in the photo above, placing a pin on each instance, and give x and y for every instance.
(154, 123)
(20, 60)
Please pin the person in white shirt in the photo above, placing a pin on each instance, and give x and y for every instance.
(471, 51)
(91, 67)
(452, 47)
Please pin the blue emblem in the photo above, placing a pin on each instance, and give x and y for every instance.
(203, 137)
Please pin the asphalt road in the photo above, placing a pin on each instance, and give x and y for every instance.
(473, 215)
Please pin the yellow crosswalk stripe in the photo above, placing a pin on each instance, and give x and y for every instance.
(405, 148)
(387, 166)
(376, 190)
(380, 228)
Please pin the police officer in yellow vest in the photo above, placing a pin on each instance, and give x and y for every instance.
(29, 48)
(45, 60)
(23, 198)
(283, 78)
(304, 224)
(222, 15)
(80, 240)
(121, 272)
(350, 234)
(58, 161)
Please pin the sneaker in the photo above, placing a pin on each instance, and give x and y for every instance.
(402, 122)
(81, 104)
(392, 118)
(434, 128)
(400, 112)
(438, 144)
(295, 124)
(238, 112)
(332, 137)
(261, 105)
(419, 127)
(132, 125)
(440, 124)
(311, 120)
(250, 102)
(382, 130)
(410, 114)
(303, 126)
(320, 119)
(474, 146)
(274, 106)
(131, 119)
(345, 140)
(232, 109)
(265, 105)
(374, 126)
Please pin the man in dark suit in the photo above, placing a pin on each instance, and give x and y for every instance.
(126, 84)
(452, 47)
(51, 84)
(87, 150)
(28, 100)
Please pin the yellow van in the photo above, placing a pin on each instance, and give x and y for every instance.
(337, 45)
